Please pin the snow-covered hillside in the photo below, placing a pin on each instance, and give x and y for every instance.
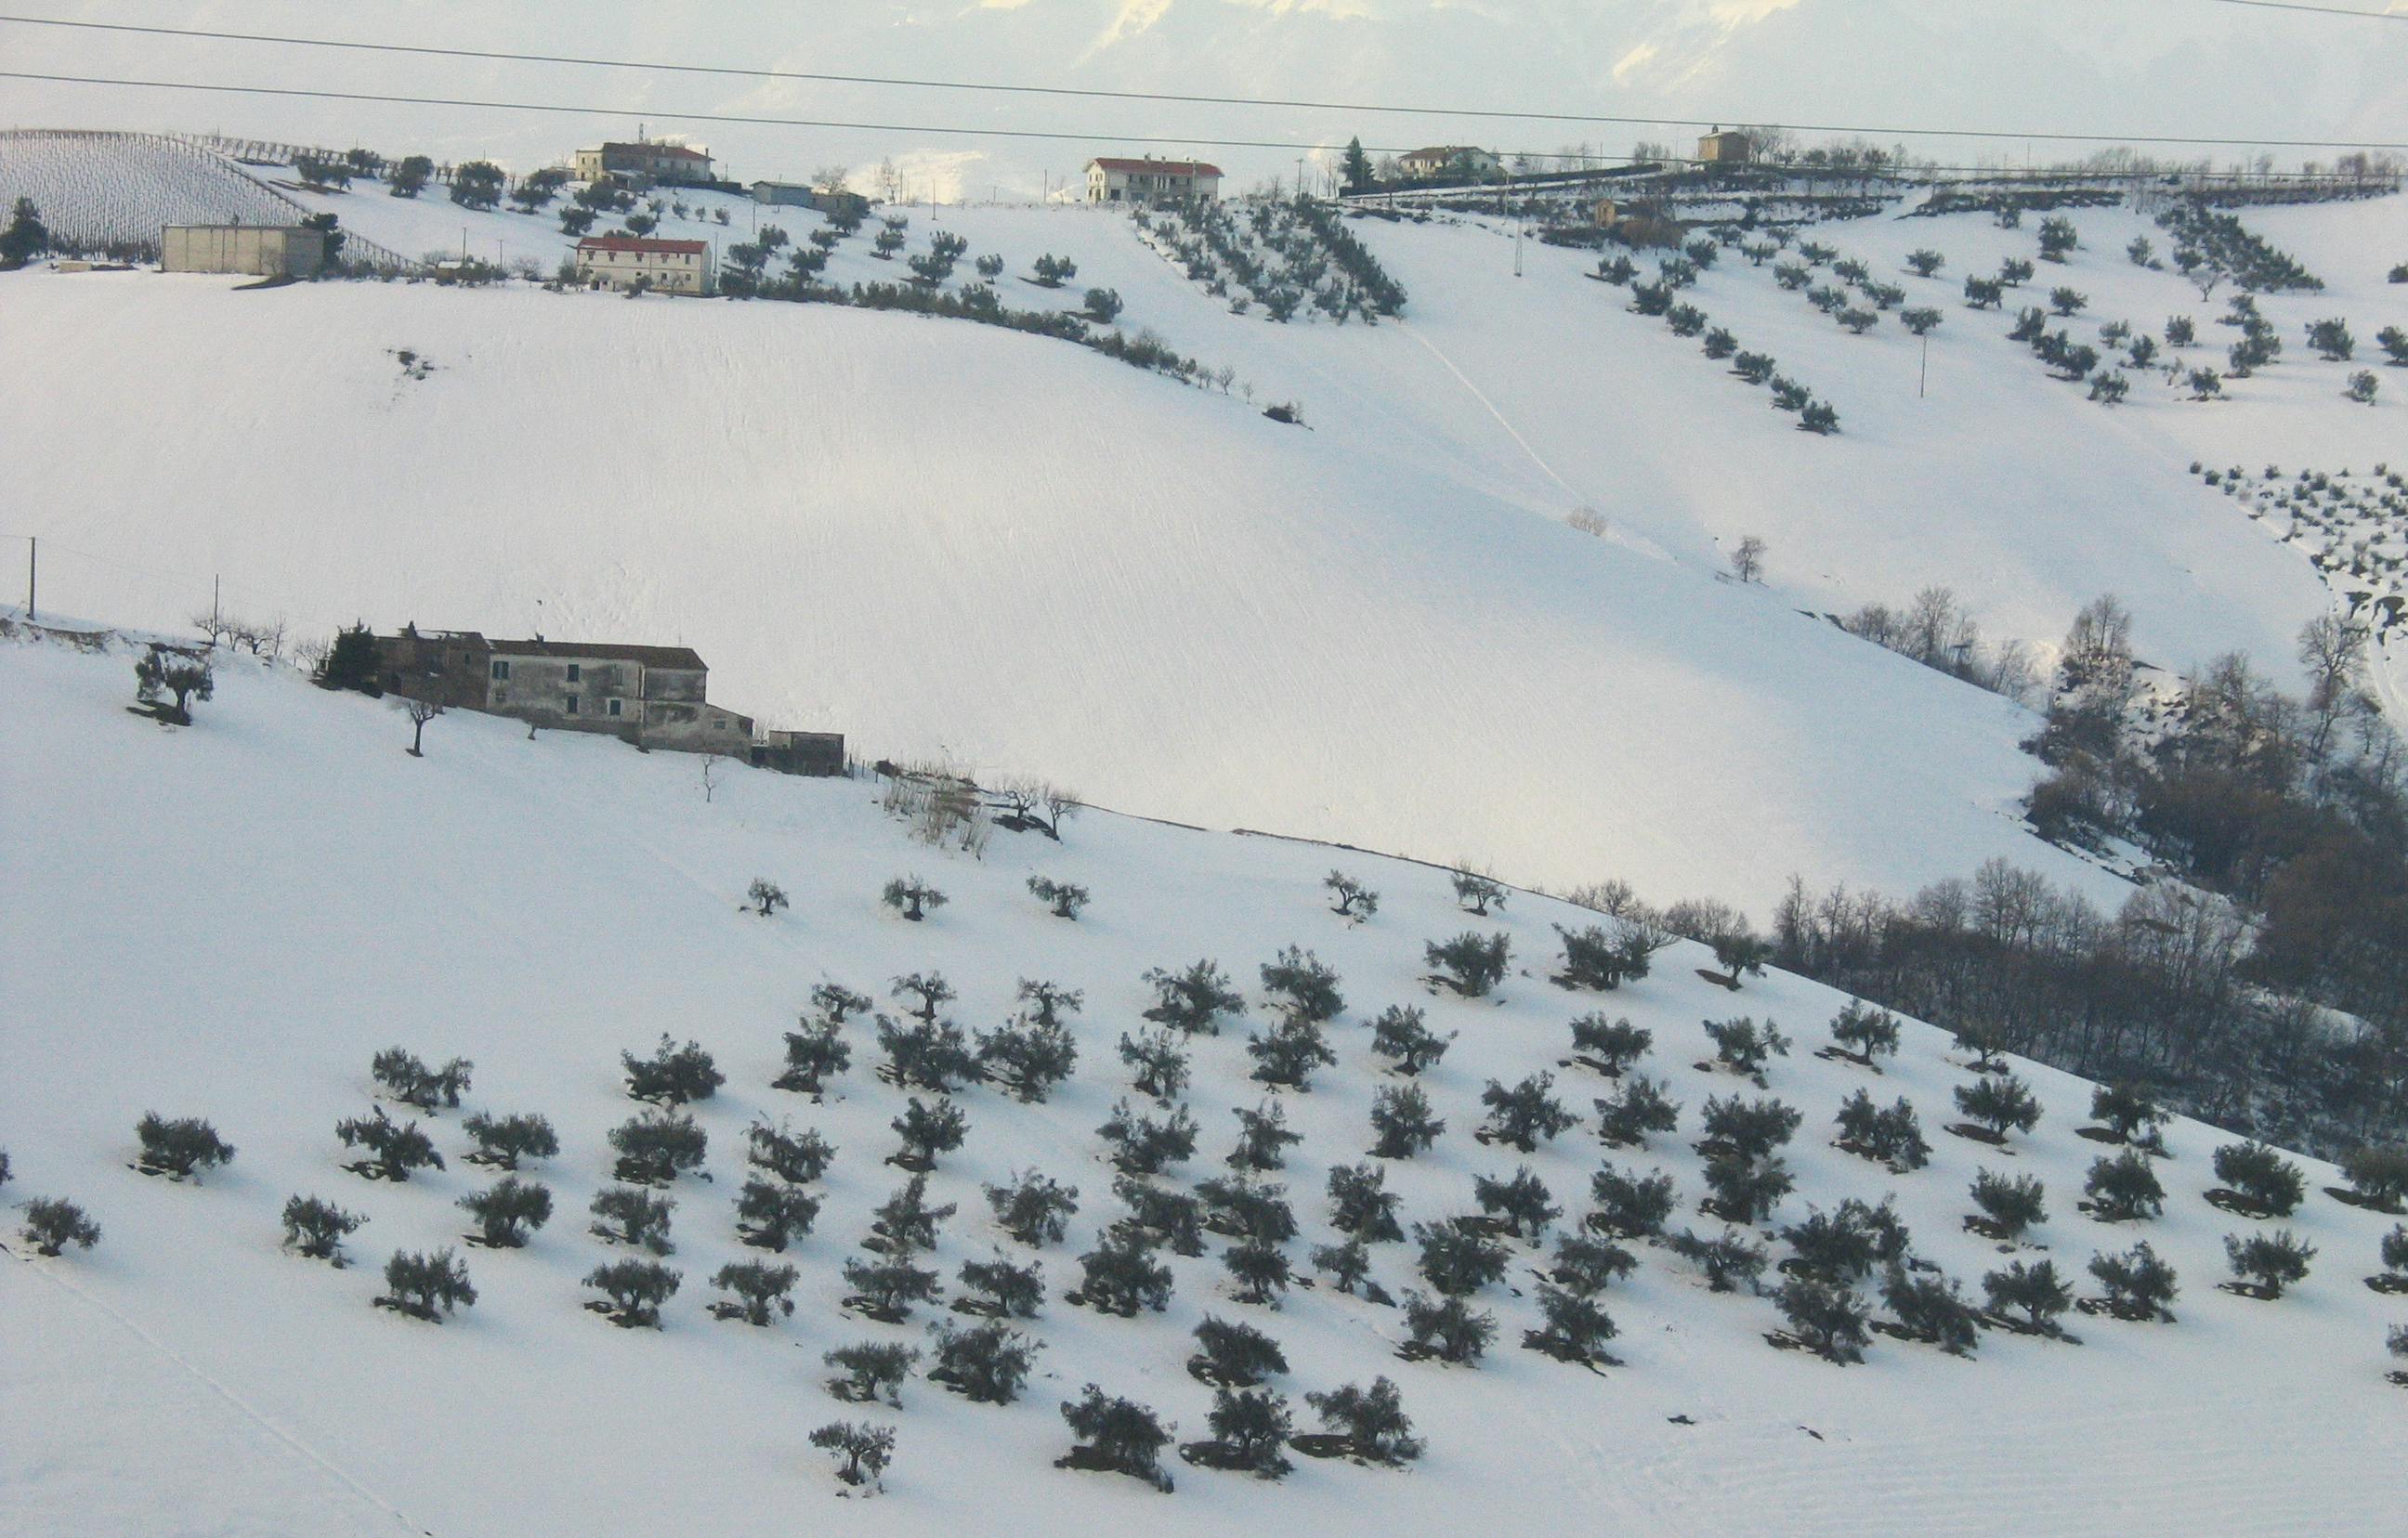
(229, 919)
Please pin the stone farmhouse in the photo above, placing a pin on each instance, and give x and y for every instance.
(664, 266)
(1449, 159)
(653, 697)
(1112, 179)
(644, 164)
(1726, 147)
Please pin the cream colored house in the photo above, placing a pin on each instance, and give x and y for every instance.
(1448, 159)
(664, 266)
(643, 164)
(1150, 181)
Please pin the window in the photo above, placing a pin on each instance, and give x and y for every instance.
(501, 697)
(568, 704)
(501, 671)
(575, 673)
(614, 708)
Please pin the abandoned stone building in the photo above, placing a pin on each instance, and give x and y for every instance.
(651, 696)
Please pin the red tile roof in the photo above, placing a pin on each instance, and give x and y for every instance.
(639, 243)
(605, 651)
(1164, 167)
(673, 151)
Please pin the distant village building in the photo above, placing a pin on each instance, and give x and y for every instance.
(259, 251)
(1449, 159)
(651, 696)
(1149, 180)
(667, 266)
(1726, 147)
(837, 203)
(644, 164)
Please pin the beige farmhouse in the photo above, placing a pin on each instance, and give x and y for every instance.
(1149, 180)
(624, 260)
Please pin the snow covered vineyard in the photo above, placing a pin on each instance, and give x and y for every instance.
(233, 920)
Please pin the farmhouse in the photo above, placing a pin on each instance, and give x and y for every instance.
(644, 164)
(1726, 147)
(1461, 160)
(624, 260)
(654, 697)
(835, 203)
(1151, 181)
(261, 251)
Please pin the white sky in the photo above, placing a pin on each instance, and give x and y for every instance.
(2129, 66)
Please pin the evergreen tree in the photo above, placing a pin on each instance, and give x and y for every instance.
(507, 1211)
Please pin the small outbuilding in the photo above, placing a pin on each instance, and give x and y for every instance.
(256, 251)
(1726, 147)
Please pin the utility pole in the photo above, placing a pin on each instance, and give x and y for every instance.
(1923, 377)
(33, 571)
(1300, 176)
(214, 619)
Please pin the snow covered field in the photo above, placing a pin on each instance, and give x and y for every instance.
(228, 919)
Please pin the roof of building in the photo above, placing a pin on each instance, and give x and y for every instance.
(640, 243)
(683, 658)
(276, 229)
(1168, 167)
(672, 151)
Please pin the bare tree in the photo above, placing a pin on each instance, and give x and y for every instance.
(1747, 560)
(421, 712)
(710, 766)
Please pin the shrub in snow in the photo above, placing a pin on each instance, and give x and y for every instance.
(2363, 387)
(1458, 1260)
(397, 1149)
(1478, 892)
(1470, 964)
(1932, 1309)
(1448, 1328)
(1586, 1266)
(1820, 417)
(1720, 344)
(2124, 1187)
(2331, 339)
(1162, 1216)
(2138, 1285)
(1522, 1200)
(1726, 1259)
(400, 1073)
(1743, 1047)
(813, 1054)
(1144, 1144)
(1841, 1248)
(623, 1215)
(2268, 1183)
(1525, 1115)
(1116, 1435)
(1827, 1320)
(673, 1074)
(1740, 951)
(1302, 988)
(1637, 1108)
(1402, 1122)
(1576, 1327)
(1120, 1276)
(426, 1286)
(181, 1147)
(2378, 1175)
(1065, 898)
(1750, 1129)
(2000, 1103)
(863, 1452)
(509, 1211)
(985, 1363)
(655, 1146)
(316, 1230)
(1249, 1211)
(1033, 1208)
(2011, 1205)
(1160, 1065)
(2127, 1112)
(1629, 1207)
(2034, 1288)
(1612, 1046)
(1251, 1426)
(1753, 368)
(1361, 1204)
(1745, 1190)
(911, 897)
(1372, 1420)
(886, 1288)
(1012, 1291)
(765, 896)
(1028, 1058)
(1260, 1270)
(757, 1291)
(1263, 1138)
(502, 1142)
(1193, 1001)
(52, 1225)
(1925, 261)
(1286, 1054)
(1354, 899)
(907, 1220)
(1864, 1033)
(1894, 1135)
(800, 1158)
(633, 1291)
(871, 1370)
(169, 682)
(1400, 1036)
(770, 1213)
(2274, 1262)
(925, 1054)
(1233, 1355)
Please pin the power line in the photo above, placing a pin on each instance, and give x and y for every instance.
(2320, 10)
(1092, 94)
(1080, 137)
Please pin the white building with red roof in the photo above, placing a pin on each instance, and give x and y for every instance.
(626, 261)
(1149, 180)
